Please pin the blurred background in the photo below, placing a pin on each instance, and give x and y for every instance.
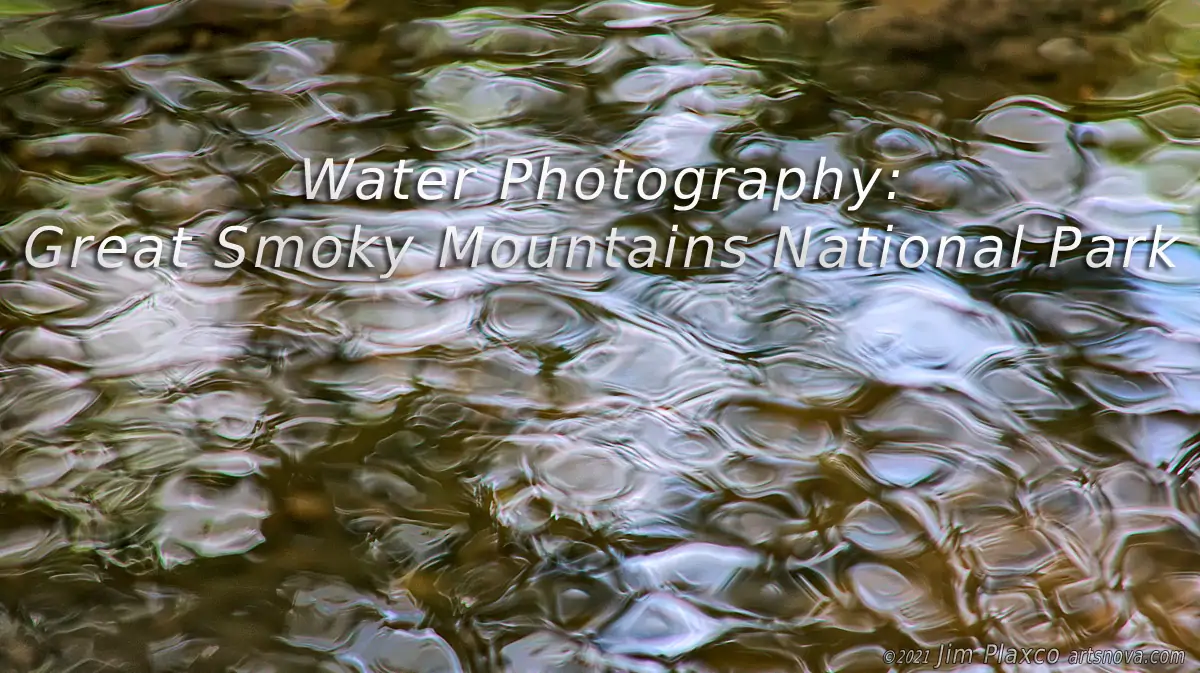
(299, 470)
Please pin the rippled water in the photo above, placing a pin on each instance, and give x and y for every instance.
(754, 469)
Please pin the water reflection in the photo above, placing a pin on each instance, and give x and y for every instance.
(746, 469)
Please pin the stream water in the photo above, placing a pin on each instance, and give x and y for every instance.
(532, 471)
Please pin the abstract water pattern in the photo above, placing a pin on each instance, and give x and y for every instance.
(473, 469)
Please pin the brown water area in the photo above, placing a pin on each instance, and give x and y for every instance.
(756, 469)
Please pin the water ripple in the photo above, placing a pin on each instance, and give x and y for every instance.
(563, 470)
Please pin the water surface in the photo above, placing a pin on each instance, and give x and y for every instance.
(704, 470)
